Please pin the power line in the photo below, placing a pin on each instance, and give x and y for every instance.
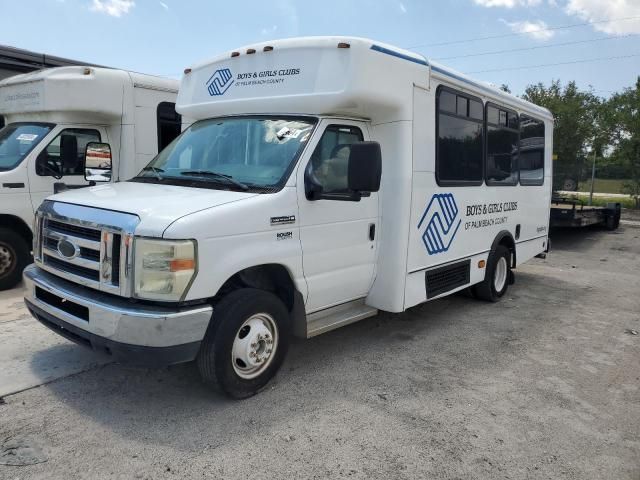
(523, 67)
(548, 29)
(496, 52)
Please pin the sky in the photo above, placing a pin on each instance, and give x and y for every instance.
(164, 37)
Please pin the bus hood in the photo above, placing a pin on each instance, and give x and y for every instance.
(157, 206)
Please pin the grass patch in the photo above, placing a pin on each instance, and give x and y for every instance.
(603, 185)
(626, 202)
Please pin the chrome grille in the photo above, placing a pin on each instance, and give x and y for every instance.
(83, 251)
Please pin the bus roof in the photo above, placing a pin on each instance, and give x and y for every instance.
(349, 76)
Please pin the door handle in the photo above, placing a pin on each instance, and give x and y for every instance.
(372, 231)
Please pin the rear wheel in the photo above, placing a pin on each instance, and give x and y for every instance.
(14, 256)
(246, 342)
(496, 280)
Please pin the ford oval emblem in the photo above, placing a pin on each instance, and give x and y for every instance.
(67, 249)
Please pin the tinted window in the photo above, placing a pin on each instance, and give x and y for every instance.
(531, 160)
(169, 123)
(475, 109)
(459, 148)
(329, 161)
(502, 147)
(447, 102)
(65, 154)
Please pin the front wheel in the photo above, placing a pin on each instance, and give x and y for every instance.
(14, 256)
(246, 342)
(496, 279)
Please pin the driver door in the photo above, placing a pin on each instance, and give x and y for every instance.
(338, 236)
(61, 160)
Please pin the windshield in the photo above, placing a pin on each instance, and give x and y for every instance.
(17, 140)
(236, 153)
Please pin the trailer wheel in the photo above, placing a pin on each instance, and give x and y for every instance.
(497, 277)
(14, 256)
(246, 342)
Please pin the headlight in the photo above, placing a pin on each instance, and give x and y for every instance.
(164, 269)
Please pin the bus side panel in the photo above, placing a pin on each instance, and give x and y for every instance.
(451, 224)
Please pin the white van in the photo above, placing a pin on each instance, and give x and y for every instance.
(51, 116)
(325, 179)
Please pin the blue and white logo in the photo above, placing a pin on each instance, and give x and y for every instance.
(441, 217)
(219, 82)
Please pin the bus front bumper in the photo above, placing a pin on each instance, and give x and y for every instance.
(133, 333)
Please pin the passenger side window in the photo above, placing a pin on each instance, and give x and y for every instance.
(65, 154)
(531, 151)
(330, 159)
(459, 146)
(502, 146)
(169, 123)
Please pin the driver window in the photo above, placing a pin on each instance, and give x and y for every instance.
(65, 154)
(330, 159)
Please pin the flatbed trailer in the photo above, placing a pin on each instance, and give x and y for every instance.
(571, 212)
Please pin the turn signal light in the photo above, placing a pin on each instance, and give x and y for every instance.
(180, 264)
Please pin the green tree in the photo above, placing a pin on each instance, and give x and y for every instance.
(621, 118)
(577, 116)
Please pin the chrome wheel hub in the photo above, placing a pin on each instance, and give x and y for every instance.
(6, 260)
(500, 275)
(254, 345)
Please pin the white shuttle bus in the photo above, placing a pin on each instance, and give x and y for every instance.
(51, 115)
(325, 179)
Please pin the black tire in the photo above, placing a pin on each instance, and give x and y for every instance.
(15, 254)
(486, 290)
(215, 357)
(610, 223)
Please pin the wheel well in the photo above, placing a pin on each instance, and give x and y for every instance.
(505, 239)
(273, 278)
(17, 225)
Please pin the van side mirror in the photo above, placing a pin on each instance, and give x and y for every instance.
(365, 167)
(97, 162)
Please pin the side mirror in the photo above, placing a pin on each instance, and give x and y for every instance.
(365, 167)
(97, 162)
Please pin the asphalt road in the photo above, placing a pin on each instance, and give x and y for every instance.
(544, 384)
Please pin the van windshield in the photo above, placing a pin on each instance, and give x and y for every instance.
(234, 153)
(17, 140)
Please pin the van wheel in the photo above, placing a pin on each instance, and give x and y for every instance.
(496, 280)
(246, 342)
(14, 256)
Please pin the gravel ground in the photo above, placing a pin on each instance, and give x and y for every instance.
(544, 384)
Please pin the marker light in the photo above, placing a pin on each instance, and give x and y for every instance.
(235, 54)
(481, 264)
(187, 71)
(268, 48)
(250, 51)
(344, 45)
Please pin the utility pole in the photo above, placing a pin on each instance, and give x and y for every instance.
(593, 176)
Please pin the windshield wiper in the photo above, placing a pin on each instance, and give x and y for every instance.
(221, 176)
(155, 170)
